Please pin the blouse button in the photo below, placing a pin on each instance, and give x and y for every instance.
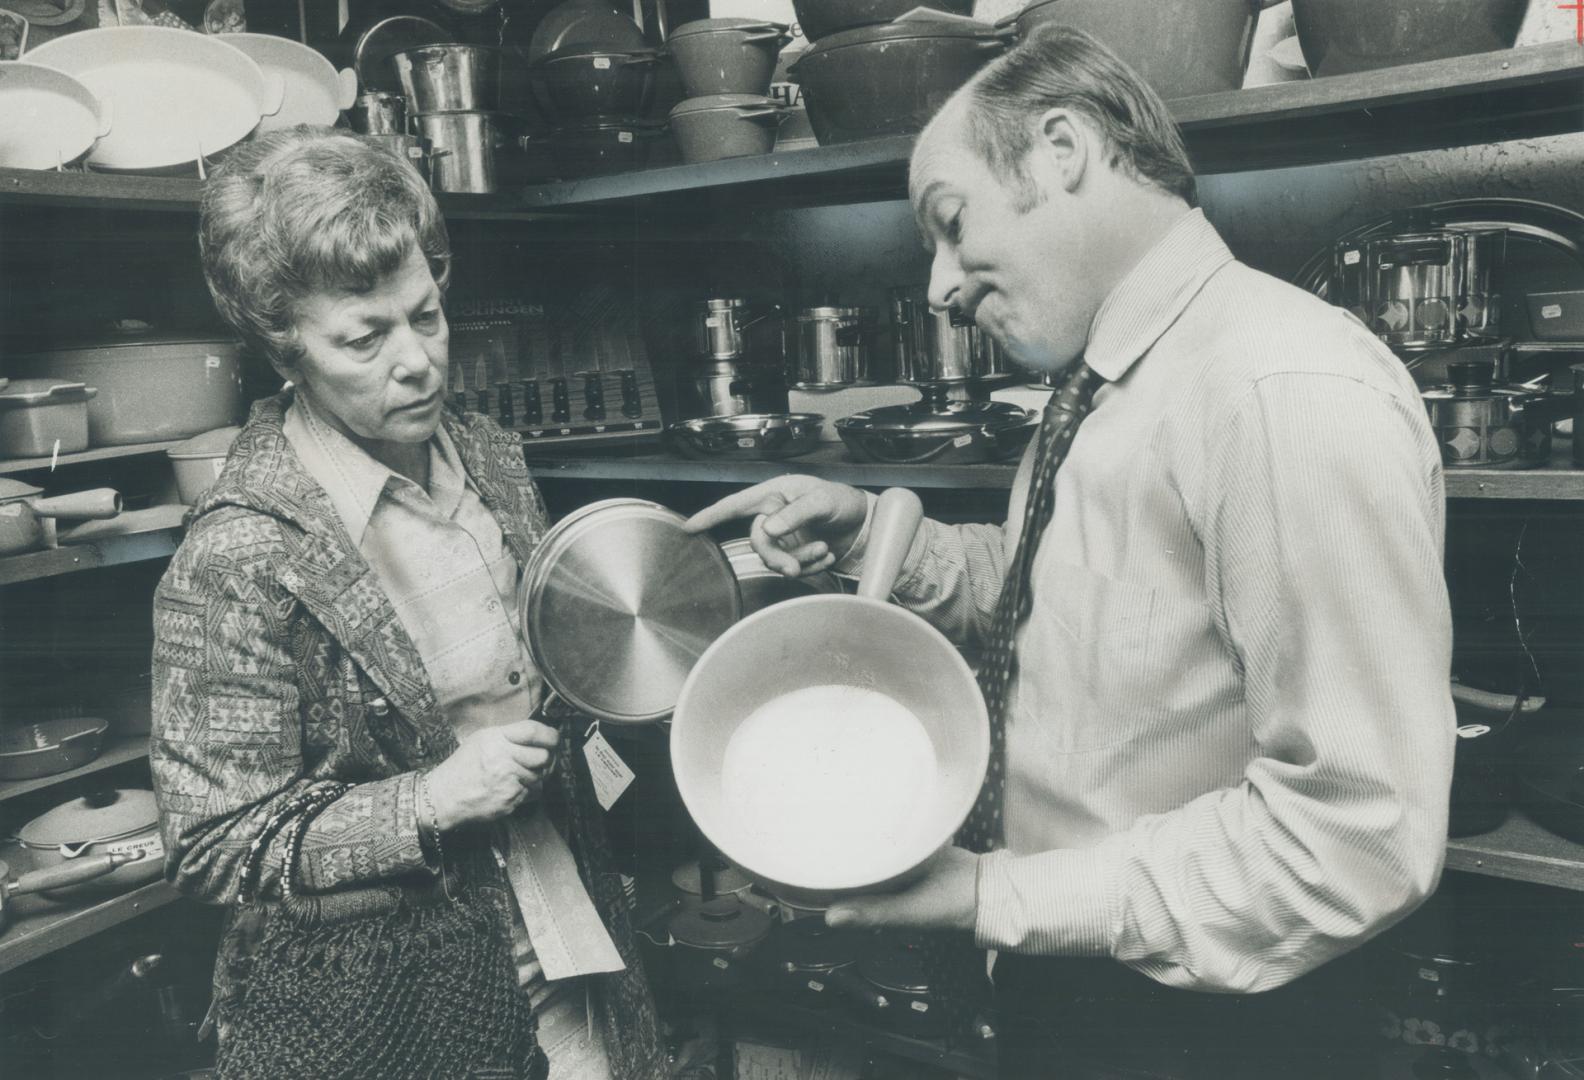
(514, 678)
(493, 605)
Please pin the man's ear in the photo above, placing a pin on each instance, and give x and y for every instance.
(1064, 143)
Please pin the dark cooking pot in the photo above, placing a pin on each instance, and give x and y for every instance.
(598, 147)
(714, 938)
(1340, 36)
(812, 965)
(1493, 427)
(108, 822)
(22, 513)
(1482, 775)
(819, 18)
(726, 126)
(938, 431)
(1205, 50)
(727, 56)
(584, 84)
(899, 995)
(889, 79)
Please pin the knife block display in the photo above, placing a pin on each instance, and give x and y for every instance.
(570, 371)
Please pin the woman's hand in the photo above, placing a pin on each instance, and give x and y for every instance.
(492, 773)
(801, 524)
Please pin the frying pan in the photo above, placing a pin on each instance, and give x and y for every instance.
(22, 513)
(841, 640)
(56, 877)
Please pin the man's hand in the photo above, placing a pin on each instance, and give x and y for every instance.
(801, 524)
(492, 772)
(944, 898)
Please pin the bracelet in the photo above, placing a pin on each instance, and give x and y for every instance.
(430, 838)
(258, 848)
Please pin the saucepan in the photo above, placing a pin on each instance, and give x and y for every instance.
(123, 823)
(54, 878)
(832, 744)
(22, 513)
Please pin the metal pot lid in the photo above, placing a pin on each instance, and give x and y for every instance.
(609, 127)
(619, 603)
(43, 392)
(1450, 392)
(949, 418)
(134, 334)
(716, 26)
(813, 313)
(735, 303)
(904, 30)
(722, 923)
(713, 102)
(894, 964)
(585, 53)
(11, 490)
(96, 817)
(728, 879)
(810, 945)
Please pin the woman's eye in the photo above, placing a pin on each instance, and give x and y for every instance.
(429, 318)
(364, 343)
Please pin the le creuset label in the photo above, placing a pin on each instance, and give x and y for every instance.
(601, 63)
(146, 847)
(610, 773)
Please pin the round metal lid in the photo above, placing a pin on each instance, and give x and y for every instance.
(949, 418)
(97, 816)
(894, 964)
(811, 945)
(736, 24)
(722, 923)
(712, 102)
(810, 314)
(618, 605)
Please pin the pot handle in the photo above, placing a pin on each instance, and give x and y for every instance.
(1504, 703)
(897, 515)
(96, 504)
(106, 117)
(761, 112)
(1550, 409)
(72, 872)
(766, 31)
(857, 988)
(634, 59)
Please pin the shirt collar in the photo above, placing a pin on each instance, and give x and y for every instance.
(1151, 296)
(353, 480)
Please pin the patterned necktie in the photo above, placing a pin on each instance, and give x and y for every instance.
(1065, 411)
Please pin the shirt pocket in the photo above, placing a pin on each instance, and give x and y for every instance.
(1091, 658)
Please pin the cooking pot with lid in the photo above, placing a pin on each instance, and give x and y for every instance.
(1492, 427)
(938, 430)
(1424, 289)
(113, 822)
(832, 348)
(820, 18)
(713, 938)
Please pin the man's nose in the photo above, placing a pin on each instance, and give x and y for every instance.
(945, 285)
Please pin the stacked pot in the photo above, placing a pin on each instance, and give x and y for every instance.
(868, 73)
(726, 66)
(453, 93)
(597, 91)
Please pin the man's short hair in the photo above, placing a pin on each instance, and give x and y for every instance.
(1062, 67)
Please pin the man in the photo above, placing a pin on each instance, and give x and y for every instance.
(1227, 728)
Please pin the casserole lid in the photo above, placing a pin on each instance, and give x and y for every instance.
(905, 29)
(722, 923)
(715, 26)
(25, 392)
(810, 314)
(811, 945)
(618, 604)
(596, 57)
(711, 102)
(949, 418)
(100, 815)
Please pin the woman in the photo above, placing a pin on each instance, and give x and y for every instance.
(342, 746)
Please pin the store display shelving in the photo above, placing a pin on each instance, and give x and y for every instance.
(139, 535)
(40, 927)
(83, 457)
(118, 750)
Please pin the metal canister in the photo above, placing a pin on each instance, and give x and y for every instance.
(1483, 426)
(939, 346)
(463, 149)
(832, 349)
(379, 112)
(718, 328)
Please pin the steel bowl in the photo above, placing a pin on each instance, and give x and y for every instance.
(749, 436)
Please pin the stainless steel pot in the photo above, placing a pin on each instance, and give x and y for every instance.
(720, 326)
(450, 77)
(122, 822)
(832, 348)
(22, 512)
(1483, 426)
(415, 150)
(152, 387)
(379, 112)
(463, 146)
(748, 436)
(1424, 289)
(940, 346)
(617, 605)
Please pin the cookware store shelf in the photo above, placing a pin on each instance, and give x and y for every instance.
(40, 927)
(148, 534)
(1558, 481)
(102, 453)
(1520, 850)
(1511, 94)
(118, 750)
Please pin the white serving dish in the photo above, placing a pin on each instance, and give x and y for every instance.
(316, 93)
(48, 119)
(178, 96)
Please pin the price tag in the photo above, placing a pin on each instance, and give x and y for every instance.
(602, 63)
(1551, 311)
(746, 443)
(1351, 258)
(611, 774)
(211, 362)
(624, 136)
(963, 440)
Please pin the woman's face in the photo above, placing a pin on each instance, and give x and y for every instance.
(376, 361)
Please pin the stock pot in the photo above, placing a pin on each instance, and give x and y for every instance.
(1480, 425)
(832, 348)
(939, 346)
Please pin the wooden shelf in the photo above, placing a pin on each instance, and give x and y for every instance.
(1559, 480)
(1510, 94)
(141, 535)
(1520, 850)
(101, 453)
(118, 750)
(40, 927)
